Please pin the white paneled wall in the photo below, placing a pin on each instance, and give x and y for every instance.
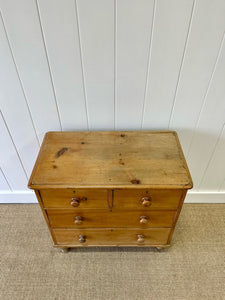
(112, 65)
(166, 53)
(133, 33)
(61, 38)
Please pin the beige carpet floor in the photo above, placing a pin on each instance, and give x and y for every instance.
(193, 268)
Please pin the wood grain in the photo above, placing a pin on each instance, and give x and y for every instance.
(96, 215)
(159, 199)
(37, 193)
(40, 56)
(106, 219)
(126, 159)
(60, 198)
(111, 237)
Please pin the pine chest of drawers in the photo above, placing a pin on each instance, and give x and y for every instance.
(111, 188)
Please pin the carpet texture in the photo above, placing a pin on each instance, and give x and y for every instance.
(192, 268)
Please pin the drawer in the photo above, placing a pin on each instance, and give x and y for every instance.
(147, 199)
(106, 218)
(112, 237)
(74, 199)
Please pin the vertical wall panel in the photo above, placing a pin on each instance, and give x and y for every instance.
(96, 24)
(9, 160)
(14, 108)
(3, 183)
(222, 184)
(209, 125)
(214, 176)
(24, 33)
(168, 41)
(133, 33)
(59, 22)
(204, 41)
(222, 188)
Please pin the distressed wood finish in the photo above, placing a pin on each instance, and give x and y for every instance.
(61, 198)
(37, 193)
(122, 199)
(107, 219)
(137, 199)
(111, 188)
(104, 237)
(129, 159)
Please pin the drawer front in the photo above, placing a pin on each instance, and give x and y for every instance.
(147, 199)
(112, 237)
(74, 199)
(105, 218)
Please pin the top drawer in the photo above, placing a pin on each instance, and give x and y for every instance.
(102, 198)
(69, 198)
(147, 199)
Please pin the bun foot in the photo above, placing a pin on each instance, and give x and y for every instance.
(64, 249)
(159, 249)
(162, 247)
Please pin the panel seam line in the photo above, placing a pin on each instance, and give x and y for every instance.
(82, 65)
(207, 92)
(212, 155)
(182, 64)
(20, 81)
(149, 62)
(14, 144)
(48, 63)
(3, 174)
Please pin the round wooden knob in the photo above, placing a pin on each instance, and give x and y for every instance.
(82, 238)
(141, 238)
(75, 202)
(143, 219)
(78, 220)
(146, 201)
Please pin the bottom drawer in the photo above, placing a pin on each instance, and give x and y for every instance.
(111, 237)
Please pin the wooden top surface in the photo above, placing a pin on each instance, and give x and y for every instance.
(115, 159)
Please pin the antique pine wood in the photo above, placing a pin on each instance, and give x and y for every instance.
(158, 199)
(61, 198)
(111, 188)
(105, 218)
(105, 237)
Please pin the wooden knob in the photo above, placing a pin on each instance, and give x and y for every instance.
(78, 220)
(141, 238)
(75, 202)
(82, 238)
(143, 219)
(146, 201)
